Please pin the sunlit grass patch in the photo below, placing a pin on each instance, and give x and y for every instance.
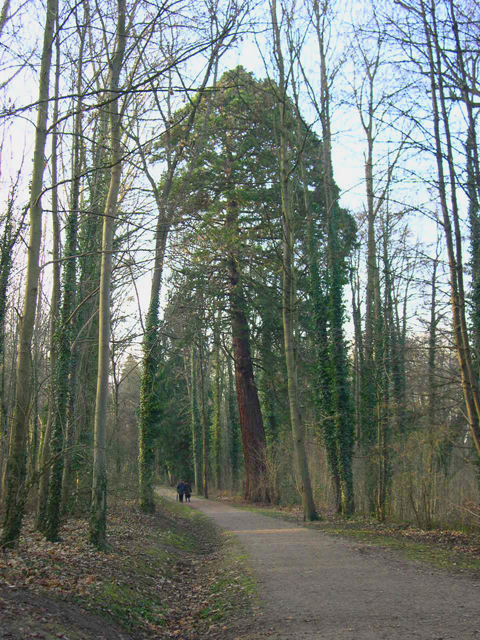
(234, 587)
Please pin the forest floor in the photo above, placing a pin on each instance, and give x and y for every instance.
(240, 574)
(170, 575)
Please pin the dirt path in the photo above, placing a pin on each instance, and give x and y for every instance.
(315, 586)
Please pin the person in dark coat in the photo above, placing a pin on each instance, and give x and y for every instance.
(181, 490)
(188, 491)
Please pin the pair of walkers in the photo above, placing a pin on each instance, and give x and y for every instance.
(184, 490)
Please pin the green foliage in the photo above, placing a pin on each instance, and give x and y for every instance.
(150, 408)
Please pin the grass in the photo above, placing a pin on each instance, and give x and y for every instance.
(235, 587)
(185, 561)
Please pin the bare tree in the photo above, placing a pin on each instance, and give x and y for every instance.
(289, 290)
(16, 466)
(97, 532)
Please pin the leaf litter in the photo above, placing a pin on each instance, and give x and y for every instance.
(161, 576)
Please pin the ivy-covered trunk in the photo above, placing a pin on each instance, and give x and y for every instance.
(149, 408)
(64, 334)
(70, 431)
(195, 420)
(6, 260)
(203, 417)
(85, 347)
(216, 399)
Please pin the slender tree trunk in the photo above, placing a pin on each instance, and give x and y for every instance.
(358, 354)
(195, 418)
(71, 422)
(86, 338)
(6, 261)
(149, 390)
(233, 428)
(203, 413)
(16, 466)
(32, 453)
(323, 365)
(432, 357)
(343, 417)
(216, 418)
(289, 294)
(473, 186)
(64, 334)
(97, 532)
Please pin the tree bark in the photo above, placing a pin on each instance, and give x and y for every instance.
(251, 421)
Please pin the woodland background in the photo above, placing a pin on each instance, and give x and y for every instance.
(240, 246)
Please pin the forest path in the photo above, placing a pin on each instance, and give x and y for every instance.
(316, 586)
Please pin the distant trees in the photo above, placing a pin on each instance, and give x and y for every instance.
(442, 35)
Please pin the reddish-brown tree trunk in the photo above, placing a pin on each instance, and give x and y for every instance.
(251, 421)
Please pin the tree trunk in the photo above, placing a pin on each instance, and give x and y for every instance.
(6, 261)
(289, 295)
(195, 418)
(148, 417)
(340, 394)
(216, 397)
(203, 413)
(97, 531)
(64, 335)
(86, 334)
(233, 428)
(16, 466)
(251, 421)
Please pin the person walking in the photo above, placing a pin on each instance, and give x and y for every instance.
(181, 490)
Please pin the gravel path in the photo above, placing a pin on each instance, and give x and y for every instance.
(316, 586)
